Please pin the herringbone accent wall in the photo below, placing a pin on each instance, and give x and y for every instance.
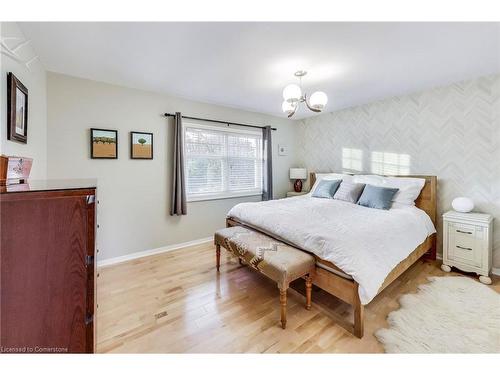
(452, 132)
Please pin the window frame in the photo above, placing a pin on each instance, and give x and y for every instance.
(225, 194)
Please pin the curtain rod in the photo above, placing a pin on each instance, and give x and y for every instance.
(217, 121)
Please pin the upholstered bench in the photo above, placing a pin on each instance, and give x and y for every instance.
(276, 260)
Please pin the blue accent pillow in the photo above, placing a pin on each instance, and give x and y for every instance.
(326, 188)
(377, 197)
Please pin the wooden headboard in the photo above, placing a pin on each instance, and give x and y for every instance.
(427, 200)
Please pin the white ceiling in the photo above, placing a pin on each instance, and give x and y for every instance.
(246, 65)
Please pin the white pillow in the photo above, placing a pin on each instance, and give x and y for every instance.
(330, 176)
(371, 179)
(409, 187)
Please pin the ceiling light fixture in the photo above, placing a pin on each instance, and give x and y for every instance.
(292, 95)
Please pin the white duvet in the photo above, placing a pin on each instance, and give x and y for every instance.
(365, 243)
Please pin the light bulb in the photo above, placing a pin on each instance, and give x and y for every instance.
(292, 93)
(318, 100)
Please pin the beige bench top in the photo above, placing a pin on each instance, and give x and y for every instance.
(277, 260)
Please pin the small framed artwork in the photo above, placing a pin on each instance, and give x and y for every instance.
(282, 150)
(103, 144)
(17, 110)
(141, 145)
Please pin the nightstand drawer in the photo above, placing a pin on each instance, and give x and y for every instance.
(466, 255)
(463, 230)
(464, 245)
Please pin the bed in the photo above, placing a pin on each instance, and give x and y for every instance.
(359, 251)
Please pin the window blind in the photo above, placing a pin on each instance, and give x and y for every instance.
(221, 163)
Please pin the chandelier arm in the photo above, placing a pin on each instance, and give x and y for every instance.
(294, 110)
(308, 106)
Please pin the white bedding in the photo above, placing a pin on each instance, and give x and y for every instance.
(365, 243)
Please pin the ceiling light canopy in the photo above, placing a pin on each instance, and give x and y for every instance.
(293, 96)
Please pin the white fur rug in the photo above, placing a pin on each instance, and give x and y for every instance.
(448, 315)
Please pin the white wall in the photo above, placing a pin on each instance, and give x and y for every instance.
(452, 132)
(133, 213)
(35, 80)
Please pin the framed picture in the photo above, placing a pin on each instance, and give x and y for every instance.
(103, 144)
(17, 110)
(141, 145)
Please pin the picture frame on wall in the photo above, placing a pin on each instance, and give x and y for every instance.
(141, 145)
(103, 143)
(17, 110)
(282, 150)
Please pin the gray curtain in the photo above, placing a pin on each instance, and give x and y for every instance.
(178, 204)
(267, 168)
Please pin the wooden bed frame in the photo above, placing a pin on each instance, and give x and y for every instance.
(347, 289)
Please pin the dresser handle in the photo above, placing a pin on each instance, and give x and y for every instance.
(89, 319)
(464, 248)
(89, 260)
(461, 231)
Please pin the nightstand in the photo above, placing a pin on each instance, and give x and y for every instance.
(467, 243)
(295, 194)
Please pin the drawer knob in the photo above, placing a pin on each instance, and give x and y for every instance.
(464, 248)
(462, 231)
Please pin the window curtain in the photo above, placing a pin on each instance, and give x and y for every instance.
(267, 168)
(178, 204)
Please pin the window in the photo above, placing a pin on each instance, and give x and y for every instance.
(389, 163)
(352, 159)
(222, 162)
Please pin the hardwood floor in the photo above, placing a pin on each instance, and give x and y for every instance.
(176, 302)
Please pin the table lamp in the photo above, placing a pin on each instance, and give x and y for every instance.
(298, 174)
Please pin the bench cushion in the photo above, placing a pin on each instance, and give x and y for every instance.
(278, 261)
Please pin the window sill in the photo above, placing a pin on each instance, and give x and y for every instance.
(223, 196)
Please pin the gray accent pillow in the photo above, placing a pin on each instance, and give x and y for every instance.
(326, 188)
(377, 197)
(349, 191)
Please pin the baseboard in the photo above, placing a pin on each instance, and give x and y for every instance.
(494, 271)
(146, 253)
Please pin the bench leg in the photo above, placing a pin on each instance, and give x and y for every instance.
(217, 256)
(240, 261)
(283, 307)
(308, 292)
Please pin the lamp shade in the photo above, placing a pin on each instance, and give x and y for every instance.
(292, 93)
(318, 100)
(298, 173)
(288, 107)
(462, 204)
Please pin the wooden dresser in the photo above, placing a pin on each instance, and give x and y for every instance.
(47, 266)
